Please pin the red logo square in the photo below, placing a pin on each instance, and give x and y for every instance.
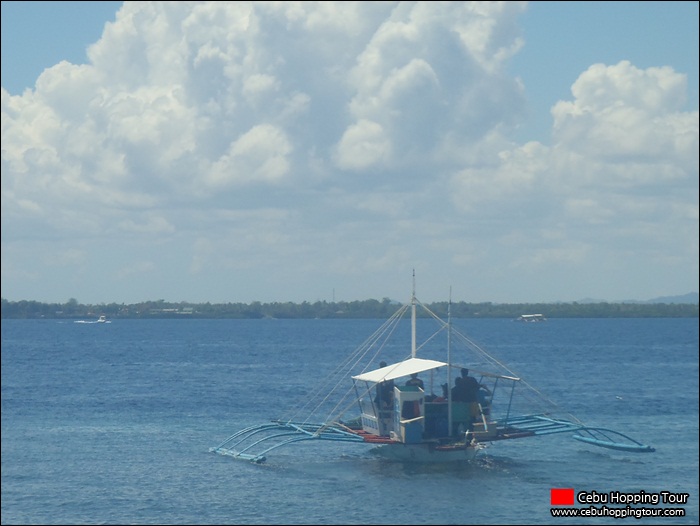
(562, 497)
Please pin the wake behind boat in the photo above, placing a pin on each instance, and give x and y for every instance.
(465, 401)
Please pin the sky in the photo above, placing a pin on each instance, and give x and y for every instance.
(511, 152)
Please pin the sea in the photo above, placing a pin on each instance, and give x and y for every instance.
(112, 423)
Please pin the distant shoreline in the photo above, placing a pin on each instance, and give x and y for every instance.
(370, 309)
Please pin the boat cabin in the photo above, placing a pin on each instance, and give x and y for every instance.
(416, 416)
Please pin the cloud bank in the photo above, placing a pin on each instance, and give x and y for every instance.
(238, 151)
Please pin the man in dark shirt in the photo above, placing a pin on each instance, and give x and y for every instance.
(470, 386)
(385, 393)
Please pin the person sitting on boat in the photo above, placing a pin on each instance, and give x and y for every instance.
(459, 393)
(443, 398)
(414, 380)
(470, 386)
(476, 394)
(384, 399)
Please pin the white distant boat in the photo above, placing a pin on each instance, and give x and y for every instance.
(101, 319)
(531, 318)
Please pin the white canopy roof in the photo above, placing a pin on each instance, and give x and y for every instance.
(397, 370)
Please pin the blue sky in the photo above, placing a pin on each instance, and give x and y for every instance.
(516, 152)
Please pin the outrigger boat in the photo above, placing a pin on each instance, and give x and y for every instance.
(417, 425)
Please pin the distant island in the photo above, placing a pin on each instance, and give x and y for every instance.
(351, 309)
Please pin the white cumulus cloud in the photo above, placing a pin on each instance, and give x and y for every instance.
(286, 146)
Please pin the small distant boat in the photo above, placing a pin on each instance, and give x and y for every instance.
(416, 425)
(531, 318)
(101, 319)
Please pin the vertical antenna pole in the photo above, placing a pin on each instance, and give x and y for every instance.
(413, 317)
(449, 364)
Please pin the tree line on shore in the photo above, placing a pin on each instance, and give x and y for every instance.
(351, 309)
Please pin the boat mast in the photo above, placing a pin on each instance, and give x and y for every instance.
(449, 364)
(413, 317)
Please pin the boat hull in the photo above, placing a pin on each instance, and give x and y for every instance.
(427, 452)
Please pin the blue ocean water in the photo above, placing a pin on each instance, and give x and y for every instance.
(112, 424)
